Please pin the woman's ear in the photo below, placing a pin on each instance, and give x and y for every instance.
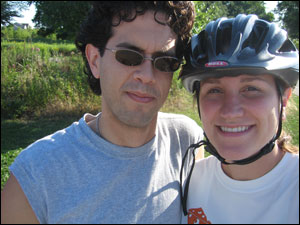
(92, 54)
(286, 95)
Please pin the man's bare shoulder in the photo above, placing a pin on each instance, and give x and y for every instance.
(15, 207)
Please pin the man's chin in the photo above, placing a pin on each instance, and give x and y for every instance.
(138, 119)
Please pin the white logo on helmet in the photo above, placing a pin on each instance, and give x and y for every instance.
(216, 64)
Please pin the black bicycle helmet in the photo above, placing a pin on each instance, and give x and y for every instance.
(241, 45)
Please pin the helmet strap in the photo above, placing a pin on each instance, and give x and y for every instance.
(197, 90)
(184, 189)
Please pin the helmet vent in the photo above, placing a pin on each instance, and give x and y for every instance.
(257, 36)
(223, 38)
(287, 46)
(200, 54)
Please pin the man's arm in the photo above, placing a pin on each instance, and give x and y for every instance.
(15, 207)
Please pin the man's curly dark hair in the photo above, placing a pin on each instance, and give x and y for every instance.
(97, 28)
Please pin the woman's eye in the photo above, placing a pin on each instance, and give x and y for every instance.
(251, 88)
(252, 91)
(214, 91)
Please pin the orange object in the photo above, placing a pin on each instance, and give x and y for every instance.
(197, 216)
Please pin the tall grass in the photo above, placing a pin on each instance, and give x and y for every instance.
(39, 76)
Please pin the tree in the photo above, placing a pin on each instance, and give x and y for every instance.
(248, 7)
(65, 17)
(10, 9)
(207, 11)
(289, 13)
(60, 17)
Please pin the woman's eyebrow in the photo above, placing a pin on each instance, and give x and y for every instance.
(245, 79)
(211, 81)
(250, 79)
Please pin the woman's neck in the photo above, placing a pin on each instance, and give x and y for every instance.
(255, 169)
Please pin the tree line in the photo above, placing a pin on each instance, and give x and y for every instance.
(63, 18)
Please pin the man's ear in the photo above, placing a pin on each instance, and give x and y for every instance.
(92, 54)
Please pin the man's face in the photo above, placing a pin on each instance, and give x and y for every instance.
(134, 94)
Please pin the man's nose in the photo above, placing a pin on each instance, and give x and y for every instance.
(145, 71)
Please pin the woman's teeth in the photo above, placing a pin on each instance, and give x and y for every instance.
(235, 129)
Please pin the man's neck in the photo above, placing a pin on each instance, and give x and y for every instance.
(118, 133)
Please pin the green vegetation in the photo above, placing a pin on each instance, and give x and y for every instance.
(36, 77)
(291, 124)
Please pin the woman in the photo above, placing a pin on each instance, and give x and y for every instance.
(242, 71)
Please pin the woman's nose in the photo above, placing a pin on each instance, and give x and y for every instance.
(232, 107)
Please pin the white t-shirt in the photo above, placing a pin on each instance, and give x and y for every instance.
(216, 198)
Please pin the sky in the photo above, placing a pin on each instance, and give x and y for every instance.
(29, 14)
(270, 5)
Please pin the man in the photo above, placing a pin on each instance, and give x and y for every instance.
(122, 165)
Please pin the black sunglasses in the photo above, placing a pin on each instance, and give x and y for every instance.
(130, 57)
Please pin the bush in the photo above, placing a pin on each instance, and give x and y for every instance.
(36, 75)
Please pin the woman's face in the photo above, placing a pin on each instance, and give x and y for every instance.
(239, 114)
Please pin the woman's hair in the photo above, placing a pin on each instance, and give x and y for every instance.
(97, 28)
(284, 143)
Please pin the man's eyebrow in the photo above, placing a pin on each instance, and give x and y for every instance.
(129, 46)
(169, 52)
